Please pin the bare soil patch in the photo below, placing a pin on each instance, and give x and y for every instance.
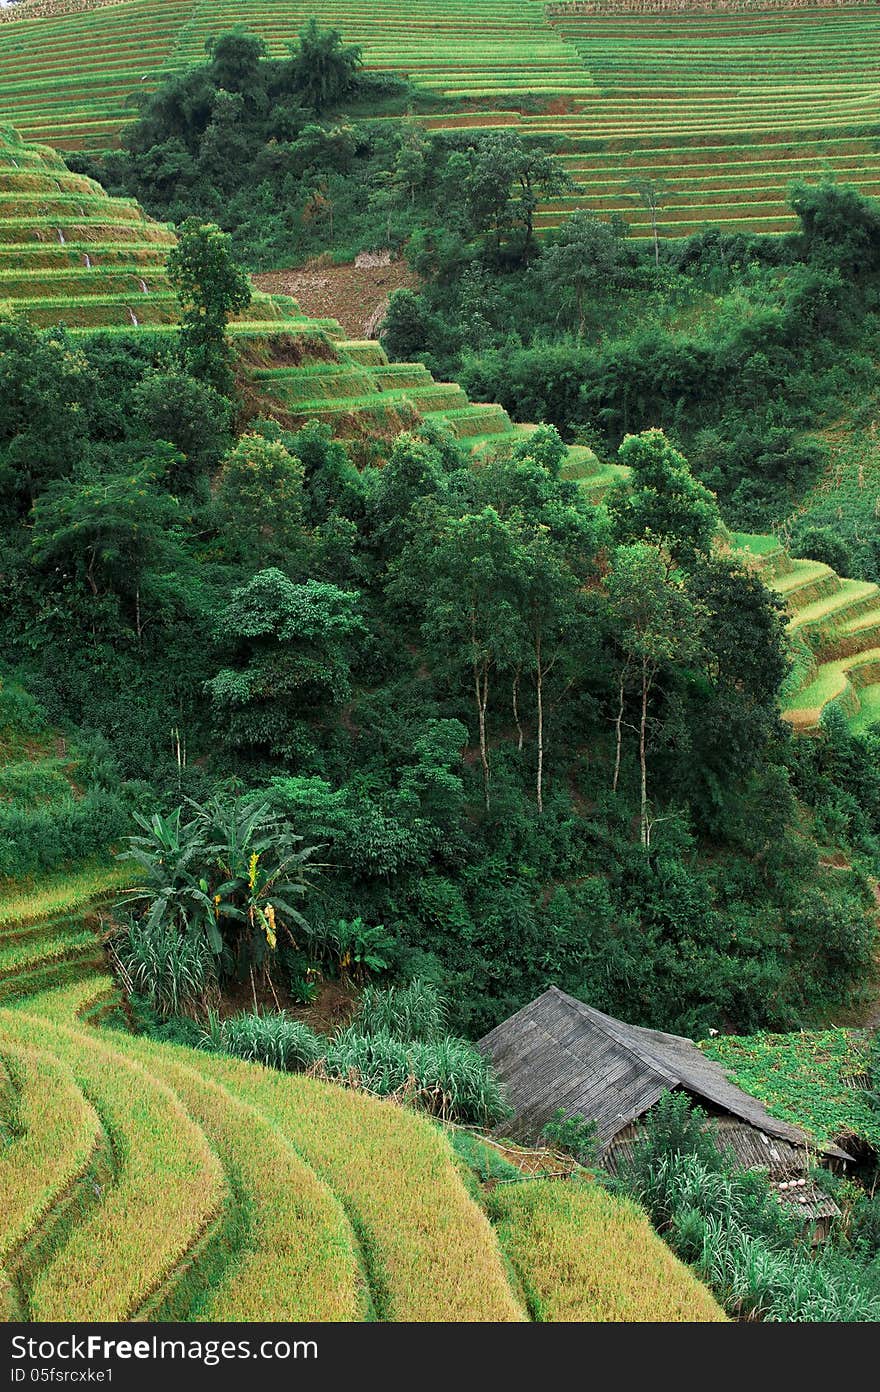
(355, 295)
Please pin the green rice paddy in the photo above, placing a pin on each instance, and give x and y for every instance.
(727, 108)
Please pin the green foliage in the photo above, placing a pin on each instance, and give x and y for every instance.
(323, 68)
(222, 874)
(728, 1225)
(271, 1039)
(575, 1134)
(290, 648)
(807, 1078)
(260, 500)
(446, 1076)
(173, 971)
(210, 287)
(663, 502)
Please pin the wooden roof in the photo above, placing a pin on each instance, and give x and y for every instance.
(558, 1052)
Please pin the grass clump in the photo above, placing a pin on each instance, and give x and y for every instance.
(174, 972)
(414, 1011)
(269, 1038)
(446, 1076)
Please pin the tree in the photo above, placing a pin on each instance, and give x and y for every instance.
(465, 573)
(107, 531)
(662, 501)
(507, 180)
(192, 416)
(289, 650)
(223, 874)
(235, 59)
(210, 287)
(324, 68)
(655, 624)
(411, 164)
(551, 613)
(260, 499)
(587, 256)
(652, 194)
(44, 383)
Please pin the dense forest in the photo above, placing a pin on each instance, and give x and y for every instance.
(530, 738)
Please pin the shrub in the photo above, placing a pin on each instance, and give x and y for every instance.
(574, 1134)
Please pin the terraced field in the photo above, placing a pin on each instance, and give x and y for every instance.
(70, 253)
(834, 625)
(726, 107)
(265, 1195)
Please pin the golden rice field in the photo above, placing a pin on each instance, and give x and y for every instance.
(145, 1180)
(540, 1227)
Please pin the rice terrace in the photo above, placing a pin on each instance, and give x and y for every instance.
(439, 662)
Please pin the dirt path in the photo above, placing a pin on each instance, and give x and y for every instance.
(353, 294)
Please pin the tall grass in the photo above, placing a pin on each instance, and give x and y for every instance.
(446, 1076)
(174, 971)
(414, 1011)
(271, 1039)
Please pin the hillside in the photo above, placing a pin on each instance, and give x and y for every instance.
(834, 627)
(220, 1161)
(724, 108)
(70, 253)
(355, 692)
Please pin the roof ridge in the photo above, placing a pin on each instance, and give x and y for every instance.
(618, 1031)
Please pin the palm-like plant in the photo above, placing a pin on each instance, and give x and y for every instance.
(225, 874)
(264, 866)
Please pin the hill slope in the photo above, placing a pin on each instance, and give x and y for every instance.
(225, 1163)
(70, 253)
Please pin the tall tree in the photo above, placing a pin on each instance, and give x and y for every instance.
(507, 180)
(465, 574)
(662, 501)
(585, 258)
(288, 651)
(656, 624)
(210, 287)
(324, 68)
(653, 195)
(260, 500)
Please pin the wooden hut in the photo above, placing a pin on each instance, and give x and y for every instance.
(558, 1053)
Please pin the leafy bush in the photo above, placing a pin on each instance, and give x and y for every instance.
(574, 1134)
